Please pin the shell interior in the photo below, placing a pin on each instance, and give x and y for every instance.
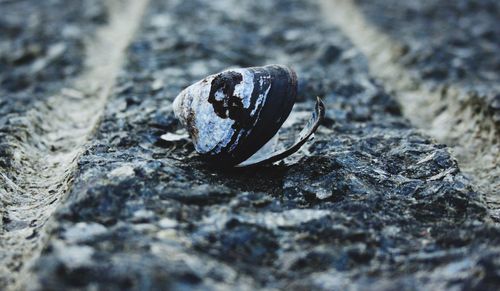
(268, 157)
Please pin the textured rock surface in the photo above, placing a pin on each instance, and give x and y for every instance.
(41, 51)
(466, 53)
(43, 132)
(41, 47)
(372, 204)
(450, 51)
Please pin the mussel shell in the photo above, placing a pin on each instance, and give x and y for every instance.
(231, 115)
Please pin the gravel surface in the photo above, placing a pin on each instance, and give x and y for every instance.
(445, 41)
(41, 47)
(439, 59)
(41, 51)
(372, 203)
(43, 132)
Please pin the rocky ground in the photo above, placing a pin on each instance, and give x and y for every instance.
(42, 48)
(374, 202)
(440, 61)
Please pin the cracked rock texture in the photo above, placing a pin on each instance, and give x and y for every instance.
(371, 204)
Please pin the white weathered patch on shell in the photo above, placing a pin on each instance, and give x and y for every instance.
(219, 95)
(213, 133)
(244, 89)
(262, 96)
(211, 129)
(258, 106)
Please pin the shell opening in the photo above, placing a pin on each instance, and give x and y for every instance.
(267, 157)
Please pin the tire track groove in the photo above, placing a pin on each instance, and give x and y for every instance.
(48, 140)
(470, 132)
